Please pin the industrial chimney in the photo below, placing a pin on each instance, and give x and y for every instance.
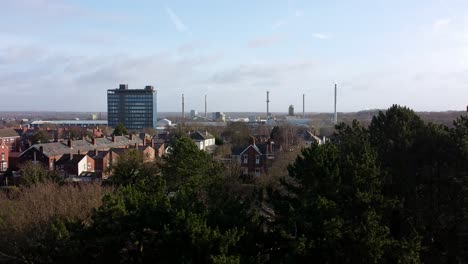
(205, 107)
(268, 104)
(183, 107)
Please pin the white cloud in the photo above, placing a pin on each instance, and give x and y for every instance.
(321, 36)
(441, 23)
(180, 26)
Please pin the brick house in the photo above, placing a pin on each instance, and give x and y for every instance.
(4, 153)
(49, 153)
(10, 138)
(102, 161)
(253, 159)
(149, 153)
(159, 149)
(73, 165)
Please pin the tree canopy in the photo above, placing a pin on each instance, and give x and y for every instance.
(120, 130)
(393, 192)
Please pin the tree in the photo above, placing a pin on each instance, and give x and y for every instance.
(131, 168)
(33, 173)
(120, 130)
(238, 132)
(41, 137)
(424, 175)
(186, 163)
(331, 206)
(148, 221)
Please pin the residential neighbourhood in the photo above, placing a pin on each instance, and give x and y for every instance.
(85, 153)
(233, 131)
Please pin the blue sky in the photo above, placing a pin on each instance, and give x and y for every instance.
(63, 55)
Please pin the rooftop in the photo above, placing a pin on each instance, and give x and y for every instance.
(201, 135)
(83, 145)
(8, 132)
(70, 122)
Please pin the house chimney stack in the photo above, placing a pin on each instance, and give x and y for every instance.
(69, 143)
(93, 141)
(131, 136)
(114, 139)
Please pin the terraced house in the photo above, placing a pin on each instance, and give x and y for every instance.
(74, 157)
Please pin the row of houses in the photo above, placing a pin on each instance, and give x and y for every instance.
(92, 155)
(75, 158)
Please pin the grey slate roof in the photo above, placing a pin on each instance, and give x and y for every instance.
(98, 154)
(201, 135)
(260, 147)
(66, 159)
(83, 145)
(8, 132)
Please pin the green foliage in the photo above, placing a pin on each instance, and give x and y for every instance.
(131, 168)
(391, 193)
(187, 166)
(41, 137)
(219, 141)
(332, 210)
(120, 130)
(275, 134)
(423, 172)
(33, 173)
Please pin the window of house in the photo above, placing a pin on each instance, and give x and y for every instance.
(89, 165)
(245, 158)
(257, 172)
(257, 159)
(245, 171)
(3, 156)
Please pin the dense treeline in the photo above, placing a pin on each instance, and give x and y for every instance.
(391, 192)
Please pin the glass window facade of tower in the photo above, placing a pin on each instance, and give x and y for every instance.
(134, 108)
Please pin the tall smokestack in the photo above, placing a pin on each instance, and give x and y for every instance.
(303, 105)
(336, 115)
(205, 107)
(268, 104)
(183, 107)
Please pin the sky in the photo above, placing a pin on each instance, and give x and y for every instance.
(63, 55)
